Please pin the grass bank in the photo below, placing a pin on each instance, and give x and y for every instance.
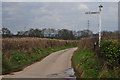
(85, 65)
(103, 62)
(21, 52)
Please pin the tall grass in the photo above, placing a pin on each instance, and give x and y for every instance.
(9, 45)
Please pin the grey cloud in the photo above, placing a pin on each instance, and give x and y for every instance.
(60, 0)
(57, 15)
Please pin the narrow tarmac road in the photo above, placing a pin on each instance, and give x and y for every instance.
(52, 66)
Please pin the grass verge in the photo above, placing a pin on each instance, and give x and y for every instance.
(19, 60)
(85, 65)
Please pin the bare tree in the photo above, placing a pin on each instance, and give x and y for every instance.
(6, 32)
(65, 34)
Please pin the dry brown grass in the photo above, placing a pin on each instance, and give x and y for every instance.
(87, 43)
(10, 45)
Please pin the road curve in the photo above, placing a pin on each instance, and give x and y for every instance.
(53, 65)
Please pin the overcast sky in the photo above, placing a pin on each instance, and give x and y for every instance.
(60, 0)
(68, 15)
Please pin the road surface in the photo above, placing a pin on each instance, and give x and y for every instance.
(55, 65)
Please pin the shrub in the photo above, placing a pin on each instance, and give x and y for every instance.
(110, 51)
(18, 58)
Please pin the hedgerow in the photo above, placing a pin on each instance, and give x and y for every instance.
(110, 52)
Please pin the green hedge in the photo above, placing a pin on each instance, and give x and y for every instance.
(110, 52)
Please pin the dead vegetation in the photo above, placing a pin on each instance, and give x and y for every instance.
(10, 45)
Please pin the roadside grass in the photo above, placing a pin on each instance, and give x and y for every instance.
(85, 65)
(94, 62)
(20, 60)
(109, 74)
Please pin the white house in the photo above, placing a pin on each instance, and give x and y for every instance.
(50, 32)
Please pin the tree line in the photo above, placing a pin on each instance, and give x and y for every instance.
(64, 34)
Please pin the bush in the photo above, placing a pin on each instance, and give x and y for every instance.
(110, 51)
(103, 62)
(19, 58)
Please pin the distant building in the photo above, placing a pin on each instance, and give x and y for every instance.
(86, 33)
(82, 33)
(50, 32)
(77, 34)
